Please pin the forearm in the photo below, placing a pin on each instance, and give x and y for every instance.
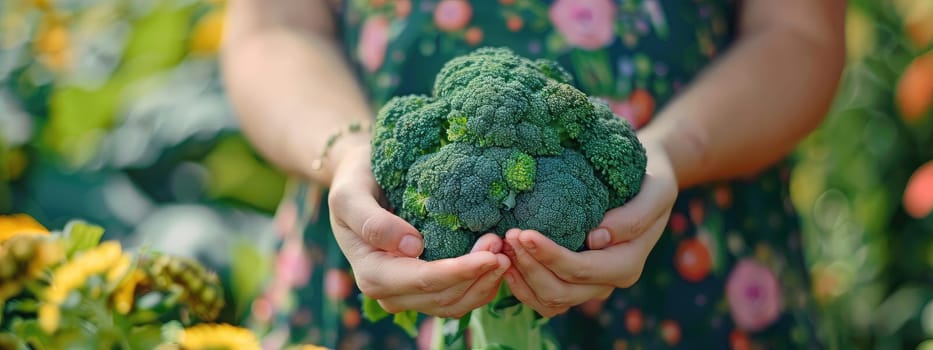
(292, 89)
(751, 107)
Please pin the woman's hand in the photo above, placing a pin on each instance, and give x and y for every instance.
(551, 278)
(383, 250)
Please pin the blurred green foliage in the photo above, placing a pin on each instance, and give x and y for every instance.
(870, 260)
(113, 111)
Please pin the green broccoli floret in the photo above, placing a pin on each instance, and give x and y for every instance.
(406, 128)
(503, 142)
(441, 242)
(464, 186)
(610, 144)
(567, 200)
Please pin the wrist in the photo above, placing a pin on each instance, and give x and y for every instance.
(680, 144)
(350, 146)
(330, 151)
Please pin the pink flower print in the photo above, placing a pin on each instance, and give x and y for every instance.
(586, 24)
(285, 218)
(374, 39)
(754, 295)
(425, 338)
(293, 266)
(452, 15)
(337, 284)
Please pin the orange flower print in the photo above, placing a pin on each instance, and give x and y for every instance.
(670, 332)
(723, 196)
(402, 8)
(514, 23)
(452, 15)
(634, 320)
(692, 260)
(351, 318)
(914, 92)
(738, 340)
(918, 195)
(473, 36)
(637, 109)
(678, 223)
(697, 212)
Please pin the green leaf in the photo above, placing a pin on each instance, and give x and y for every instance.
(504, 303)
(248, 271)
(146, 337)
(11, 341)
(30, 332)
(462, 326)
(22, 305)
(372, 311)
(594, 71)
(80, 236)
(408, 320)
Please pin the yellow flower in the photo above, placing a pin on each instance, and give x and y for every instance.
(208, 33)
(23, 258)
(123, 295)
(308, 347)
(49, 316)
(19, 224)
(119, 269)
(217, 336)
(53, 44)
(73, 275)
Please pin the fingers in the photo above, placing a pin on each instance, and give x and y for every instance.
(569, 266)
(489, 242)
(380, 275)
(624, 223)
(357, 209)
(551, 293)
(619, 265)
(526, 295)
(456, 301)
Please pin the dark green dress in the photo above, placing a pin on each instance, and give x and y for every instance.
(728, 271)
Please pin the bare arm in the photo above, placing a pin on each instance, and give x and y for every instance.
(292, 89)
(758, 100)
(290, 83)
(744, 113)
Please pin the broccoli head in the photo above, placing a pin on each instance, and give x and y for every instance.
(503, 142)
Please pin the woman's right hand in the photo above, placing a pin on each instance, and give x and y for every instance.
(383, 250)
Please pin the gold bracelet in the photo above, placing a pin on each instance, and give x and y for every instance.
(352, 128)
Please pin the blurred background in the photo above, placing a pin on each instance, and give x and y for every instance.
(112, 111)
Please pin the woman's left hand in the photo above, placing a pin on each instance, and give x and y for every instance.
(551, 279)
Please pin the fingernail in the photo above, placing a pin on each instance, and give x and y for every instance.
(529, 245)
(410, 246)
(502, 264)
(599, 238)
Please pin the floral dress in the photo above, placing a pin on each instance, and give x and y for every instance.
(728, 271)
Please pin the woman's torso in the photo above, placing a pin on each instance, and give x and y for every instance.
(728, 271)
(635, 53)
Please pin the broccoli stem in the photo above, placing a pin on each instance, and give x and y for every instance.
(517, 326)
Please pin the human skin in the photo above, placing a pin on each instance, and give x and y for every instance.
(743, 113)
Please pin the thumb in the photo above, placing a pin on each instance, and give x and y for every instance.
(629, 221)
(359, 211)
